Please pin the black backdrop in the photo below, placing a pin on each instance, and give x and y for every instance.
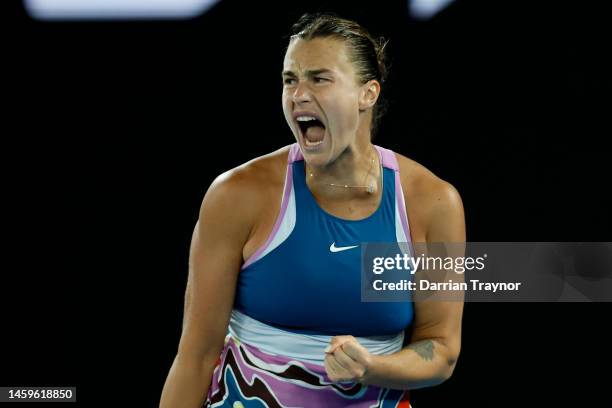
(113, 132)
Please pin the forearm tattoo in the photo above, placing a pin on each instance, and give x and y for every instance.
(423, 348)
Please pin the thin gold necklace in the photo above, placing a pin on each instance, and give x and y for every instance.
(369, 188)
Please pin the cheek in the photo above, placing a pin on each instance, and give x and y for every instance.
(345, 112)
(288, 112)
(286, 102)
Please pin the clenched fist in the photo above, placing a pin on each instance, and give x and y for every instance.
(346, 359)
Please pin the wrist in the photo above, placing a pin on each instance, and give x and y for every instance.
(370, 369)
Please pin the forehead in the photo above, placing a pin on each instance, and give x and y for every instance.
(317, 53)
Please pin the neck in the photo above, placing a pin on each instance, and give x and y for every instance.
(357, 167)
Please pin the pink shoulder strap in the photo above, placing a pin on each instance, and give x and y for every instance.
(388, 158)
(295, 154)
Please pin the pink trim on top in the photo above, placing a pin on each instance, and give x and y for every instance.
(281, 214)
(390, 161)
(400, 200)
(388, 158)
(295, 153)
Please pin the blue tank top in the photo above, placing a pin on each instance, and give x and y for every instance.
(299, 281)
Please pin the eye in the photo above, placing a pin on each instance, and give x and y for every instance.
(288, 81)
(320, 79)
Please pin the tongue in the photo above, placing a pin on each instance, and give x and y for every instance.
(314, 134)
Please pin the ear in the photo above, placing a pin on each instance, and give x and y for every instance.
(369, 94)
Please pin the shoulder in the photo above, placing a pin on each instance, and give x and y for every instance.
(254, 174)
(421, 183)
(242, 190)
(433, 199)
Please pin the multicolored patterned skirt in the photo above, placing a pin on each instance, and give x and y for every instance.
(248, 377)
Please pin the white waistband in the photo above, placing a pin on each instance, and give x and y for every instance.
(304, 347)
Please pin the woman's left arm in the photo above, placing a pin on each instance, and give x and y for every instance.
(431, 356)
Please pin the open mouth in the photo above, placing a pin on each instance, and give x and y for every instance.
(313, 130)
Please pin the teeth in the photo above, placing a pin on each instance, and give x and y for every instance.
(305, 118)
(311, 144)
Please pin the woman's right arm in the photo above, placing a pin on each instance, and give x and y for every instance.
(215, 258)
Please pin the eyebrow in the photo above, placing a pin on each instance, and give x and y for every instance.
(309, 73)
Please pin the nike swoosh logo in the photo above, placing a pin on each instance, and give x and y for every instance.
(334, 248)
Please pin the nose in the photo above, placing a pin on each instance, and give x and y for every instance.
(301, 93)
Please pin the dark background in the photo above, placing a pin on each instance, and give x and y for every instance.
(112, 133)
